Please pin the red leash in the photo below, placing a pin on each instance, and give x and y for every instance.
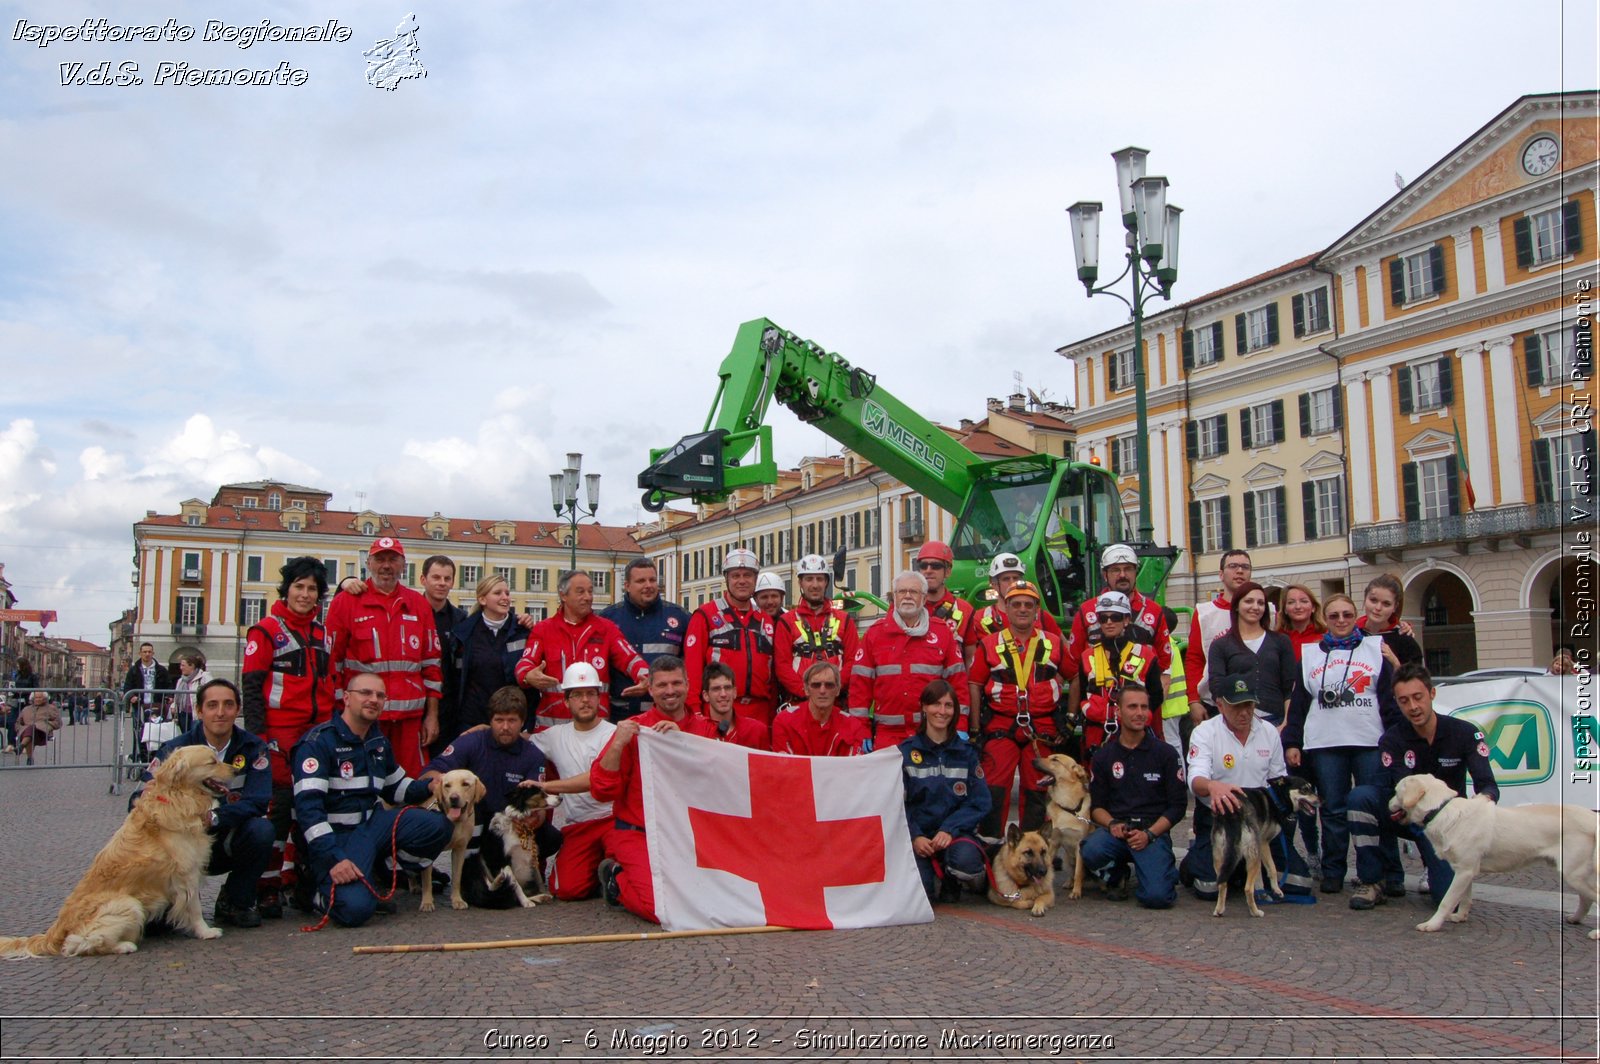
(394, 876)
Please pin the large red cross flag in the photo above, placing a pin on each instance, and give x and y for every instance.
(742, 838)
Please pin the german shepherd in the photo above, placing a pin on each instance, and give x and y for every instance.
(1024, 877)
(1068, 810)
(508, 869)
(1246, 835)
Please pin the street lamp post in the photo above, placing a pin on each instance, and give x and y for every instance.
(1151, 226)
(564, 497)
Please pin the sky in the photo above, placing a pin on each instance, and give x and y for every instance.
(430, 294)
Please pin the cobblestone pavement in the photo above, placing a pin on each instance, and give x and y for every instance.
(1091, 980)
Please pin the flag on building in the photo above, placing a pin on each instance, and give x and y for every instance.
(742, 838)
(1468, 495)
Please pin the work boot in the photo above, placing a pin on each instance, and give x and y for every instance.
(607, 872)
(269, 905)
(1367, 896)
(1333, 884)
(227, 914)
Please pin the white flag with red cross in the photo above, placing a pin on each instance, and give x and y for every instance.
(743, 838)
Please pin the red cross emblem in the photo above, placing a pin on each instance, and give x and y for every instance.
(761, 848)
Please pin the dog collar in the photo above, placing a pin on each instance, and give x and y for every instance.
(1436, 811)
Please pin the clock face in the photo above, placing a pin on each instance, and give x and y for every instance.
(1541, 155)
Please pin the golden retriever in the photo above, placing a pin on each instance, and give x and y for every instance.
(152, 867)
(457, 797)
(1068, 810)
(1476, 835)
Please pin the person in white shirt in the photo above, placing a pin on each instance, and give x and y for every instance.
(570, 748)
(1231, 752)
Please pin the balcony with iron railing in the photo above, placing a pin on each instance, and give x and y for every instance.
(1493, 527)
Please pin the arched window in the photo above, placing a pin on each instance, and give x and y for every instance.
(274, 501)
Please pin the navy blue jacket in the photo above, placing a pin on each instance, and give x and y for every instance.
(499, 768)
(944, 786)
(1458, 749)
(509, 643)
(251, 787)
(338, 779)
(653, 632)
(1145, 783)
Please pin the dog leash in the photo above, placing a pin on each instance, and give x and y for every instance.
(394, 876)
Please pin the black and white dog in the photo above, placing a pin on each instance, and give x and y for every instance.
(1247, 834)
(508, 869)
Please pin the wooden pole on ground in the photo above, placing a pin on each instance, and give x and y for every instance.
(566, 940)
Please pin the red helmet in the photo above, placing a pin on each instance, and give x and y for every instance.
(935, 551)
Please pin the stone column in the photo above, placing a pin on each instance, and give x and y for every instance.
(1507, 420)
(1383, 446)
(1355, 409)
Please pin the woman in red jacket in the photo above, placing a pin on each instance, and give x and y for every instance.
(1300, 617)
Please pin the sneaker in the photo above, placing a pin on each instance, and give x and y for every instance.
(1367, 896)
(1394, 890)
(269, 906)
(227, 914)
(1333, 885)
(607, 871)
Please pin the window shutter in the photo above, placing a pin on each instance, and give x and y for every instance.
(1447, 381)
(1245, 439)
(1195, 542)
(1543, 480)
(1191, 440)
(1452, 483)
(1250, 520)
(1282, 494)
(1571, 227)
(1216, 340)
(1308, 507)
(1240, 334)
(1188, 350)
(1305, 414)
(1227, 523)
(1278, 428)
(1408, 487)
(1533, 358)
(1272, 323)
(1338, 408)
(1116, 455)
(1397, 282)
(1222, 434)
(1406, 405)
(1436, 267)
(1522, 237)
(1297, 310)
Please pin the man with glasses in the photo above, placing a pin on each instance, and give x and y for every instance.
(1147, 624)
(1210, 620)
(897, 657)
(934, 562)
(813, 728)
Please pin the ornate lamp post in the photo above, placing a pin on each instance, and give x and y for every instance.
(564, 497)
(1151, 226)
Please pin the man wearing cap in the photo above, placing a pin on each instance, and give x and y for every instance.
(1233, 751)
(731, 630)
(1136, 798)
(815, 630)
(897, 658)
(812, 728)
(1102, 666)
(654, 625)
(1147, 621)
(384, 627)
(583, 820)
(615, 777)
(1016, 690)
(934, 562)
(576, 633)
(1005, 570)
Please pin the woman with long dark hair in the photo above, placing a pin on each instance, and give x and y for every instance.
(1248, 647)
(945, 798)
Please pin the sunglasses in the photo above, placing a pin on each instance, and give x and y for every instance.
(931, 565)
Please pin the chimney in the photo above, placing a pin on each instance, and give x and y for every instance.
(1018, 401)
(967, 424)
(994, 405)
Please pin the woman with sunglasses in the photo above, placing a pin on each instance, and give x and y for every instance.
(1342, 702)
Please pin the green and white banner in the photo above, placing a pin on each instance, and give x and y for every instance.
(1541, 731)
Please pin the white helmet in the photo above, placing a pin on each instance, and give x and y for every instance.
(739, 558)
(1118, 554)
(1113, 602)
(1005, 563)
(580, 674)
(812, 565)
(770, 582)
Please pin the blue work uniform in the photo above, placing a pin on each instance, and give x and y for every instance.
(1137, 787)
(653, 632)
(945, 792)
(501, 769)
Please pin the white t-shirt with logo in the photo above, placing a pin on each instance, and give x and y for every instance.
(572, 752)
(1217, 754)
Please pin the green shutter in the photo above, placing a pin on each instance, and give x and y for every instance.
(1406, 404)
(1272, 324)
(1305, 414)
(1571, 227)
(1227, 523)
(1297, 310)
(1338, 408)
(1447, 381)
(1222, 434)
(1522, 237)
(1245, 439)
(1452, 483)
(1250, 520)
(1533, 359)
(1195, 542)
(1191, 440)
(1116, 464)
(1308, 507)
(1397, 282)
(1188, 350)
(1279, 430)
(1436, 267)
(1240, 334)
(1408, 487)
(1543, 474)
(1216, 340)
(1282, 494)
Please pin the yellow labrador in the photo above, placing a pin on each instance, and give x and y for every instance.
(457, 797)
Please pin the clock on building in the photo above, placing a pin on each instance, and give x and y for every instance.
(1541, 155)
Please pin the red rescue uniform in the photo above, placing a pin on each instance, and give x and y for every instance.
(394, 636)
(806, 636)
(796, 731)
(1021, 684)
(892, 667)
(288, 682)
(1148, 625)
(992, 618)
(555, 643)
(746, 732)
(958, 613)
(743, 640)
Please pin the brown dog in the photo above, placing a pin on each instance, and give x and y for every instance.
(151, 867)
(1023, 875)
(457, 797)
(1068, 810)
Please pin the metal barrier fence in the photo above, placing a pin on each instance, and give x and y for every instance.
(101, 727)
